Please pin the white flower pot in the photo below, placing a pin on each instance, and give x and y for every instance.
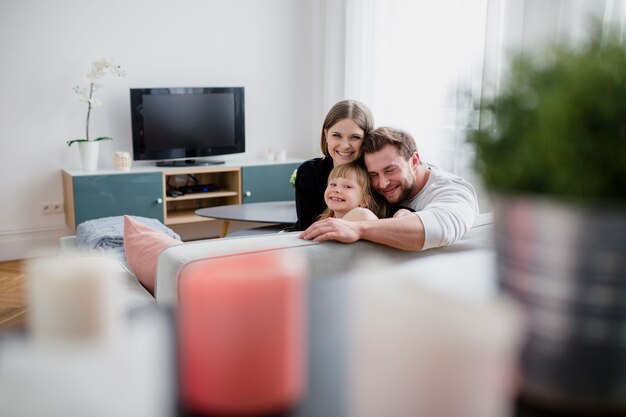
(89, 155)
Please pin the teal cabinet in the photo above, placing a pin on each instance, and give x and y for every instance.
(98, 196)
(142, 193)
(261, 183)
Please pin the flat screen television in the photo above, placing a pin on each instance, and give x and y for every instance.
(170, 124)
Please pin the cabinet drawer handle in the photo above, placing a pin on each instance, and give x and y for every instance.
(248, 193)
(159, 201)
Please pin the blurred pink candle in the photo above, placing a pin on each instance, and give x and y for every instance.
(241, 323)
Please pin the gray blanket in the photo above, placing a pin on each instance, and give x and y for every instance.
(108, 232)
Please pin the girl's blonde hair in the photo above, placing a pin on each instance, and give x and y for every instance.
(362, 178)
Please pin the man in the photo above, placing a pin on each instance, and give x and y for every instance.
(445, 205)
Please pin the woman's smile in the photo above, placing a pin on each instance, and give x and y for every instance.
(342, 157)
(344, 140)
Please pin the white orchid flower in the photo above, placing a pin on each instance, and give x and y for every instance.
(102, 64)
(83, 93)
(94, 74)
(99, 68)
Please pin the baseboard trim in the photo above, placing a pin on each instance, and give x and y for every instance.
(31, 243)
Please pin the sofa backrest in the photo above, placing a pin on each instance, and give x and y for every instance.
(324, 259)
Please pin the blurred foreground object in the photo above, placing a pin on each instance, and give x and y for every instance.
(82, 355)
(431, 341)
(74, 299)
(552, 149)
(566, 265)
(241, 330)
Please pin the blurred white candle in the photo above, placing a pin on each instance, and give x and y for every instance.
(419, 350)
(133, 378)
(74, 299)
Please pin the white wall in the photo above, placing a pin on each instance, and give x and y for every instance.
(46, 47)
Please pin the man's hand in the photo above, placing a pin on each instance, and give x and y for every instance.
(404, 232)
(403, 212)
(332, 229)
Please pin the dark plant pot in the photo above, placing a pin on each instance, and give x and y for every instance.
(565, 265)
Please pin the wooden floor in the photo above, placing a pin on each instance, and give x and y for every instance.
(12, 295)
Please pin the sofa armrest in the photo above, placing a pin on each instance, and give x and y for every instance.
(174, 258)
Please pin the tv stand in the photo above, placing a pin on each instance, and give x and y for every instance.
(142, 191)
(187, 163)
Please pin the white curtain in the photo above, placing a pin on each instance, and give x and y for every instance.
(417, 65)
(525, 25)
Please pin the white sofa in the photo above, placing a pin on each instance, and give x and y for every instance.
(437, 266)
(332, 258)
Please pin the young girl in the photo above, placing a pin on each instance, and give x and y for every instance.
(348, 195)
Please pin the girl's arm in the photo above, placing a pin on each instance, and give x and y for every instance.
(359, 213)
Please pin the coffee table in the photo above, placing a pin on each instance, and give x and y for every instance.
(275, 212)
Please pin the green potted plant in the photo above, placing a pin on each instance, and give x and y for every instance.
(89, 147)
(551, 148)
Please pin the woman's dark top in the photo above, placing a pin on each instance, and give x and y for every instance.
(311, 181)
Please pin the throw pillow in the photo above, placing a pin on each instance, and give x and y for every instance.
(143, 245)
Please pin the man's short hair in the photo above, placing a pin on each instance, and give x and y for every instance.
(380, 137)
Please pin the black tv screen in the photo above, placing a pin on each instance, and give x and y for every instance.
(174, 123)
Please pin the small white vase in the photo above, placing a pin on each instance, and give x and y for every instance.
(89, 155)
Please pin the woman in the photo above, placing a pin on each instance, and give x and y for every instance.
(343, 131)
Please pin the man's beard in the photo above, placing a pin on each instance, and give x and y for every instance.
(404, 194)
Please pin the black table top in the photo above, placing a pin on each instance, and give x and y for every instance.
(282, 212)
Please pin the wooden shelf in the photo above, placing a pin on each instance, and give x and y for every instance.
(185, 216)
(214, 169)
(180, 210)
(196, 196)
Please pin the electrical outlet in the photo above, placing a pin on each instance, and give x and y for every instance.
(55, 207)
(46, 208)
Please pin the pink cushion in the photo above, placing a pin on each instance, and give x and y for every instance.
(143, 245)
